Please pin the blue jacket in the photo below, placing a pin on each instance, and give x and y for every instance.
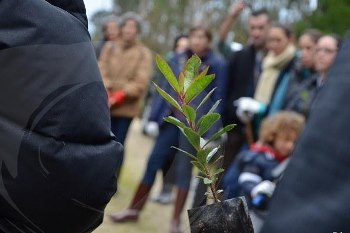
(256, 165)
(160, 108)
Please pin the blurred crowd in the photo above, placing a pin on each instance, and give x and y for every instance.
(267, 88)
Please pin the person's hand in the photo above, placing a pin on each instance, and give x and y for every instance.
(152, 129)
(237, 8)
(115, 98)
(266, 187)
(246, 108)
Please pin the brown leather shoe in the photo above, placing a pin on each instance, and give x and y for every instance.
(128, 215)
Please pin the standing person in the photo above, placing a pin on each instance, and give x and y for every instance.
(225, 28)
(126, 68)
(302, 96)
(272, 86)
(307, 46)
(326, 50)
(110, 31)
(57, 154)
(200, 41)
(181, 44)
(305, 61)
(244, 69)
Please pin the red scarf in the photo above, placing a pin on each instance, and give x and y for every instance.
(257, 147)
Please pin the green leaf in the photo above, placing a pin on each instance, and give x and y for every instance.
(168, 98)
(207, 121)
(191, 70)
(207, 181)
(218, 159)
(217, 172)
(214, 107)
(221, 132)
(206, 98)
(189, 76)
(201, 177)
(181, 81)
(202, 155)
(197, 165)
(174, 121)
(190, 113)
(211, 154)
(168, 73)
(197, 87)
(185, 152)
(192, 137)
(204, 72)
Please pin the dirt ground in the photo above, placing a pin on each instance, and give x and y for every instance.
(156, 217)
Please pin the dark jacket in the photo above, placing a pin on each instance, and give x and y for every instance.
(217, 66)
(256, 165)
(301, 97)
(57, 155)
(240, 82)
(314, 194)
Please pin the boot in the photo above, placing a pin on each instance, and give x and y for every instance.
(181, 197)
(132, 213)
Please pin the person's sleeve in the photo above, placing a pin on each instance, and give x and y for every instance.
(249, 173)
(248, 179)
(224, 49)
(74, 7)
(137, 86)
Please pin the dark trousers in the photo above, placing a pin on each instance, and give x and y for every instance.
(120, 127)
(162, 152)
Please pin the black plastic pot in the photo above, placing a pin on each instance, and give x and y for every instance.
(229, 216)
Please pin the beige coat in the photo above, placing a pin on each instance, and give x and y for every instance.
(127, 68)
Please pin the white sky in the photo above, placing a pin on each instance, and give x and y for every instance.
(95, 5)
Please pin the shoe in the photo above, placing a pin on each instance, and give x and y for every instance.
(164, 198)
(128, 215)
(175, 227)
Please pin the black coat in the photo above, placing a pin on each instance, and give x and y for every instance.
(314, 195)
(240, 81)
(57, 155)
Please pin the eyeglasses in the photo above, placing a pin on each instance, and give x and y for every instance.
(326, 50)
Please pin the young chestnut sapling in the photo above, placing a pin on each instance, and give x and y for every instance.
(188, 86)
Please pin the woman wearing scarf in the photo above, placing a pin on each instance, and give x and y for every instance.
(301, 97)
(274, 80)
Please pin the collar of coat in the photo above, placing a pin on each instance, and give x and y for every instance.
(260, 148)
